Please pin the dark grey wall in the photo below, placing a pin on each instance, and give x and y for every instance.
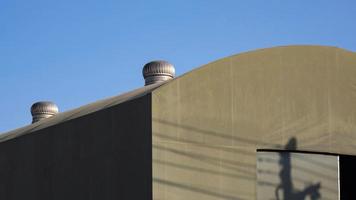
(102, 156)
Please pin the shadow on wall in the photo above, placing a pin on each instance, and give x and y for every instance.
(286, 184)
(187, 153)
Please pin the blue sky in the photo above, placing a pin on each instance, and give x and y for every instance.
(74, 52)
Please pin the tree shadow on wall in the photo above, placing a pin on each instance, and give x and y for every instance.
(286, 185)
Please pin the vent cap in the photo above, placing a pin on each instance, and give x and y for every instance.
(42, 110)
(157, 71)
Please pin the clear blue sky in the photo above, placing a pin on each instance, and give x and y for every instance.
(74, 52)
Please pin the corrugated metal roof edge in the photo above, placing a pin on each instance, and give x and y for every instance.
(79, 112)
(102, 104)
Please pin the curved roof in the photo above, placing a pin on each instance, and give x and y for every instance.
(268, 92)
(209, 122)
(265, 97)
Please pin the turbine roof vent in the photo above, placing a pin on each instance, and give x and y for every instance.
(157, 71)
(42, 110)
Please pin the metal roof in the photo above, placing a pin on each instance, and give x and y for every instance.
(78, 112)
